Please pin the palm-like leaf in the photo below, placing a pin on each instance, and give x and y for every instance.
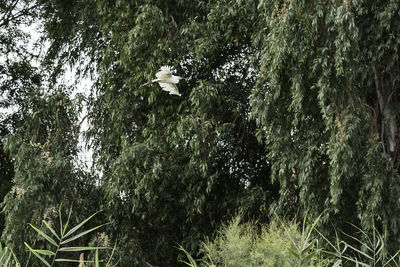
(63, 238)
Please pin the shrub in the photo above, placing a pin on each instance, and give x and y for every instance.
(281, 244)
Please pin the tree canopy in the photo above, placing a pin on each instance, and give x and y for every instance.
(330, 94)
(287, 107)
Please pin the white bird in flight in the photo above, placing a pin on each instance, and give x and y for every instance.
(167, 81)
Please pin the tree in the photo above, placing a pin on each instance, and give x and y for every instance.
(174, 168)
(46, 175)
(171, 169)
(327, 91)
(287, 107)
(17, 77)
(39, 131)
(6, 174)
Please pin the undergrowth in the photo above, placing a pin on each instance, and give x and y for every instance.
(289, 244)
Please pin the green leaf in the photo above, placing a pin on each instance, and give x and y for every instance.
(73, 230)
(48, 238)
(82, 234)
(60, 217)
(8, 259)
(192, 261)
(309, 248)
(391, 259)
(293, 252)
(360, 252)
(80, 248)
(112, 254)
(5, 253)
(66, 224)
(338, 263)
(312, 226)
(337, 249)
(306, 260)
(2, 255)
(97, 258)
(45, 252)
(51, 229)
(37, 255)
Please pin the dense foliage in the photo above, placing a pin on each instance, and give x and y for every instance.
(39, 134)
(174, 168)
(328, 92)
(17, 75)
(287, 107)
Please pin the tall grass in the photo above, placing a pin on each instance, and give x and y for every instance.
(287, 244)
(8, 258)
(368, 250)
(236, 244)
(281, 244)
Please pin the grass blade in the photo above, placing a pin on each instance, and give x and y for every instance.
(303, 230)
(17, 264)
(356, 261)
(192, 261)
(80, 248)
(338, 263)
(66, 224)
(2, 254)
(112, 254)
(48, 238)
(8, 259)
(97, 258)
(293, 252)
(337, 249)
(308, 248)
(313, 226)
(391, 259)
(51, 229)
(37, 255)
(73, 230)
(360, 252)
(358, 240)
(306, 260)
(60, 217)
(82, 234)
(44, 252)
(8, 255)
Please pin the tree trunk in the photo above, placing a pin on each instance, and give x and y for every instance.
(389, 121)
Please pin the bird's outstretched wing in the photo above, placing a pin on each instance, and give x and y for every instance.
(170, 87)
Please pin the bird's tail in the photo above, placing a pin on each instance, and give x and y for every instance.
(146, 84)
